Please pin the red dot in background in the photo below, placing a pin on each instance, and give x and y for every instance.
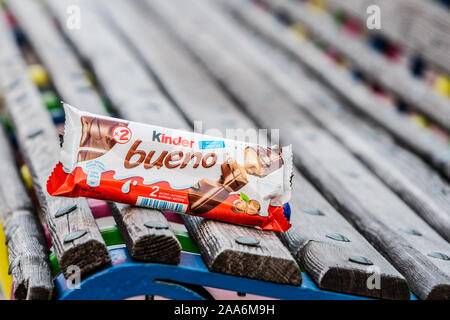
(352, 26)
(10, 20)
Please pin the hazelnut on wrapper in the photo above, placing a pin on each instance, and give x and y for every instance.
(251, 207)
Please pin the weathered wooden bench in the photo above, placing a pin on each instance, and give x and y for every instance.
(369, 199)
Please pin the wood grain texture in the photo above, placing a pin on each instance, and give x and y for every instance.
(151, 245)
(394, 77)
(415, 182)
(68, 77)
(32, 276)
(144, 243)
(421, 27)
(26, 240)
(173, 118)
(377, 213)
(307, 239)
(269, 261)
(39, 143)
(418, 139)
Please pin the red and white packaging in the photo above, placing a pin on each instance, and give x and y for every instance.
(173, 170)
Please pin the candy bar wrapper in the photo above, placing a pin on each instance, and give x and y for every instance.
(173, 170)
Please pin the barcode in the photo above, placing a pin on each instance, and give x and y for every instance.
(161, 205)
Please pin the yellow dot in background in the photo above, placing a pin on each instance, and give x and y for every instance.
(299, 30)
(5, 278)
(442, 85)
(316, 5)
(420, 120)
(91, 79)
(38, 75)
(26, 176)
(343, 63)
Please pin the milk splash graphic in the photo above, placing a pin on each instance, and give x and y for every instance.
(94, 173)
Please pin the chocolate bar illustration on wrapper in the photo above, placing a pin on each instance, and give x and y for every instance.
(261, 162)
(233, 175)
(86, 155)
(206, 194)
(96, 134)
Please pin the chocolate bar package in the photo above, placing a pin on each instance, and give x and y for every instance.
(173, 170)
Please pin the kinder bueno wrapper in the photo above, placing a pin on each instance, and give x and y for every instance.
(173, 170)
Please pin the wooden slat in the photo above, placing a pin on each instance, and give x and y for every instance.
(229, 253)
(39, 143)
(321, 256)
(394, 77)
(63, 65)
(66, 73)
(416, 183)
(25, 238)
(143, 243)
(420, 140)
(269, 261)
(420, 26)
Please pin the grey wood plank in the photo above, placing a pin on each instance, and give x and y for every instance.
(418, 139)
(32, 275)
(321, 256)
(421, 27)
(146, 244)
(67, 75)
(162, 113)
(221, 252)
(415, 182)
(39, 145)
(25, 237)
(393, 76)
